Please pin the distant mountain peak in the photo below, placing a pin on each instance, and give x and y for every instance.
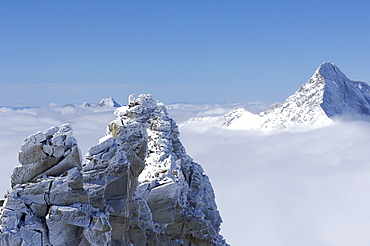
(108, 102)
(326, 95)
(86, 104)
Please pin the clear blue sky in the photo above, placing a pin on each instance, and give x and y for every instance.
(188, 51)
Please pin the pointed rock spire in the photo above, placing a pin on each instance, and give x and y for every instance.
(138, 187)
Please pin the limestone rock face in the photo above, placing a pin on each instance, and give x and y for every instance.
(47, 153)
(48, 180)
(138, 187)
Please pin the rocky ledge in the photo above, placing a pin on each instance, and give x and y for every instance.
(138, 187)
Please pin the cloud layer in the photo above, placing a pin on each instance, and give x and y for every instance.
(288, 188)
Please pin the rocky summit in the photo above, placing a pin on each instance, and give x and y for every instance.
(137, 187)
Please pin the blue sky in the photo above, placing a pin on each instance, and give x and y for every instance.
(179, 51)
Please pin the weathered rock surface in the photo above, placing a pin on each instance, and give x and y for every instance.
(138, 187)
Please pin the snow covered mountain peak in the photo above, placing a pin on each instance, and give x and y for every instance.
(329, 71)
(108, 102)
(326, 95)
(342, 96)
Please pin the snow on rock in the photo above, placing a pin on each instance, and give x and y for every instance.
(49, 175)
(138, 187)
(46, 153)
(241, 119)
(327, 95)
(108, 102)
(169, 199)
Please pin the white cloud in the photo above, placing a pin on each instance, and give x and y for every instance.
(302, 188)
(288, 188)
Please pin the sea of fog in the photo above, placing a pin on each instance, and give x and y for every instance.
(276, 189)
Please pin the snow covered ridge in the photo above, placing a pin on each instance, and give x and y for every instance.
(138, 187)
(328, 95)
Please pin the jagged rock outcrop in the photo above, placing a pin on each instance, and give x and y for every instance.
(138, 187)
(327, 94)
(48, 204)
